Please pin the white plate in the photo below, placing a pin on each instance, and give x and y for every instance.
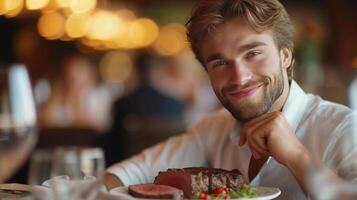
(18, 190)
(15, 190)
(263, 193)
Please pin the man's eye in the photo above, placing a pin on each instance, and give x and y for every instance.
(252, 54)
(219, 63)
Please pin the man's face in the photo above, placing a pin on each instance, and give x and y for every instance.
(246, 69)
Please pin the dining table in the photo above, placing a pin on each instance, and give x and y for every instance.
(17, 191)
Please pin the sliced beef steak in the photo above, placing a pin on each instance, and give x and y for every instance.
(194, 180)
(154, 191)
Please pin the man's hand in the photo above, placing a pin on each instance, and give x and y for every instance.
(270, 134)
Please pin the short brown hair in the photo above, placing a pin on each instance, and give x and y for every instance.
(262, 15)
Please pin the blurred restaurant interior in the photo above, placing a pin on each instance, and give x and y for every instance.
(119, 74)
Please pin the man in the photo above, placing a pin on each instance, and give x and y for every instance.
(246, 48)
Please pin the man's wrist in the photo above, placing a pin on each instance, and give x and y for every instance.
(111, 181)
(299, 163)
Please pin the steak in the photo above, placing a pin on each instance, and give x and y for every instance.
(194, 180)
(154, 191)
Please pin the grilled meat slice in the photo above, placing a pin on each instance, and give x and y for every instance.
(194, 180)
(154, 191)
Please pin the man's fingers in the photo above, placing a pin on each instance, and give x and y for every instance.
(242, 138)
(255, 147)
(249, 128)
(246, 130)
(261, 141)
(257, 155)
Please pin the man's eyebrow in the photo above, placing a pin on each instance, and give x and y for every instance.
(252, 45)
(215, 56)
(241, 49)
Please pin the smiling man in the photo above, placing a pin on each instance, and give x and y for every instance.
(247, 70)
(246, 47)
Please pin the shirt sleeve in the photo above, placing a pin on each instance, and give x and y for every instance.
(184, 150)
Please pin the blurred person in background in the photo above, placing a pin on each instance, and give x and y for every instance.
(77, 100)
(146, 112)
(246, 47)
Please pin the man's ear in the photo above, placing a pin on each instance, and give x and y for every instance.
(286, 57)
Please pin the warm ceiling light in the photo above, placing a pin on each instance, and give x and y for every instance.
(83, 6)
(77, 25)
(90, 43)
(50, 7)
(11, 4)
(36, 4)
(126, 14)
(3, 7)
(143, 32)
(51, 25)
(171, 40)
(12, 7)
(64, 3)
(105, 25)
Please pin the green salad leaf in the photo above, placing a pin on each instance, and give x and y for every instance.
(245, 191)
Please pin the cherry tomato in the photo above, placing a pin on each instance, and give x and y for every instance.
(227, 197)
(220, 190)
(204, 196)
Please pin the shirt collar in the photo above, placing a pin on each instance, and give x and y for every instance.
(295, 105)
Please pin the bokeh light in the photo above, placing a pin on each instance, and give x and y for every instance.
(143, 32)
(11, 8)
(51, 25)
(90, 42)
(50, 7)
(105, 25)
(36, 4)
(64, 3)
(82, 6)
(77, 25)
(171, 40)
(126, 15)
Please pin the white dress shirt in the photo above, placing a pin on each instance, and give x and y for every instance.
(209, 143)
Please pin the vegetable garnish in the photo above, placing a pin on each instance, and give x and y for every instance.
(222, 193)
(245, 191)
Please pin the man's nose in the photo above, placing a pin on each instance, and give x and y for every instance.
(240, 73)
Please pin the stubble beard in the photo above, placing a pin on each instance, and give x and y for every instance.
(248, 110)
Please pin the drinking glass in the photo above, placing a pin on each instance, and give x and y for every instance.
(71, 172)
(40, 172)
(17, 119)
(81, 172)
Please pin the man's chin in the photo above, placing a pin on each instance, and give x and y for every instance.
(245, 117)
(247, 113)
(245, 110)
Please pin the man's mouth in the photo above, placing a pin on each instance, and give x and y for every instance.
(246, 92)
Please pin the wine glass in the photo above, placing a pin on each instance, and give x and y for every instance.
(17, 119)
